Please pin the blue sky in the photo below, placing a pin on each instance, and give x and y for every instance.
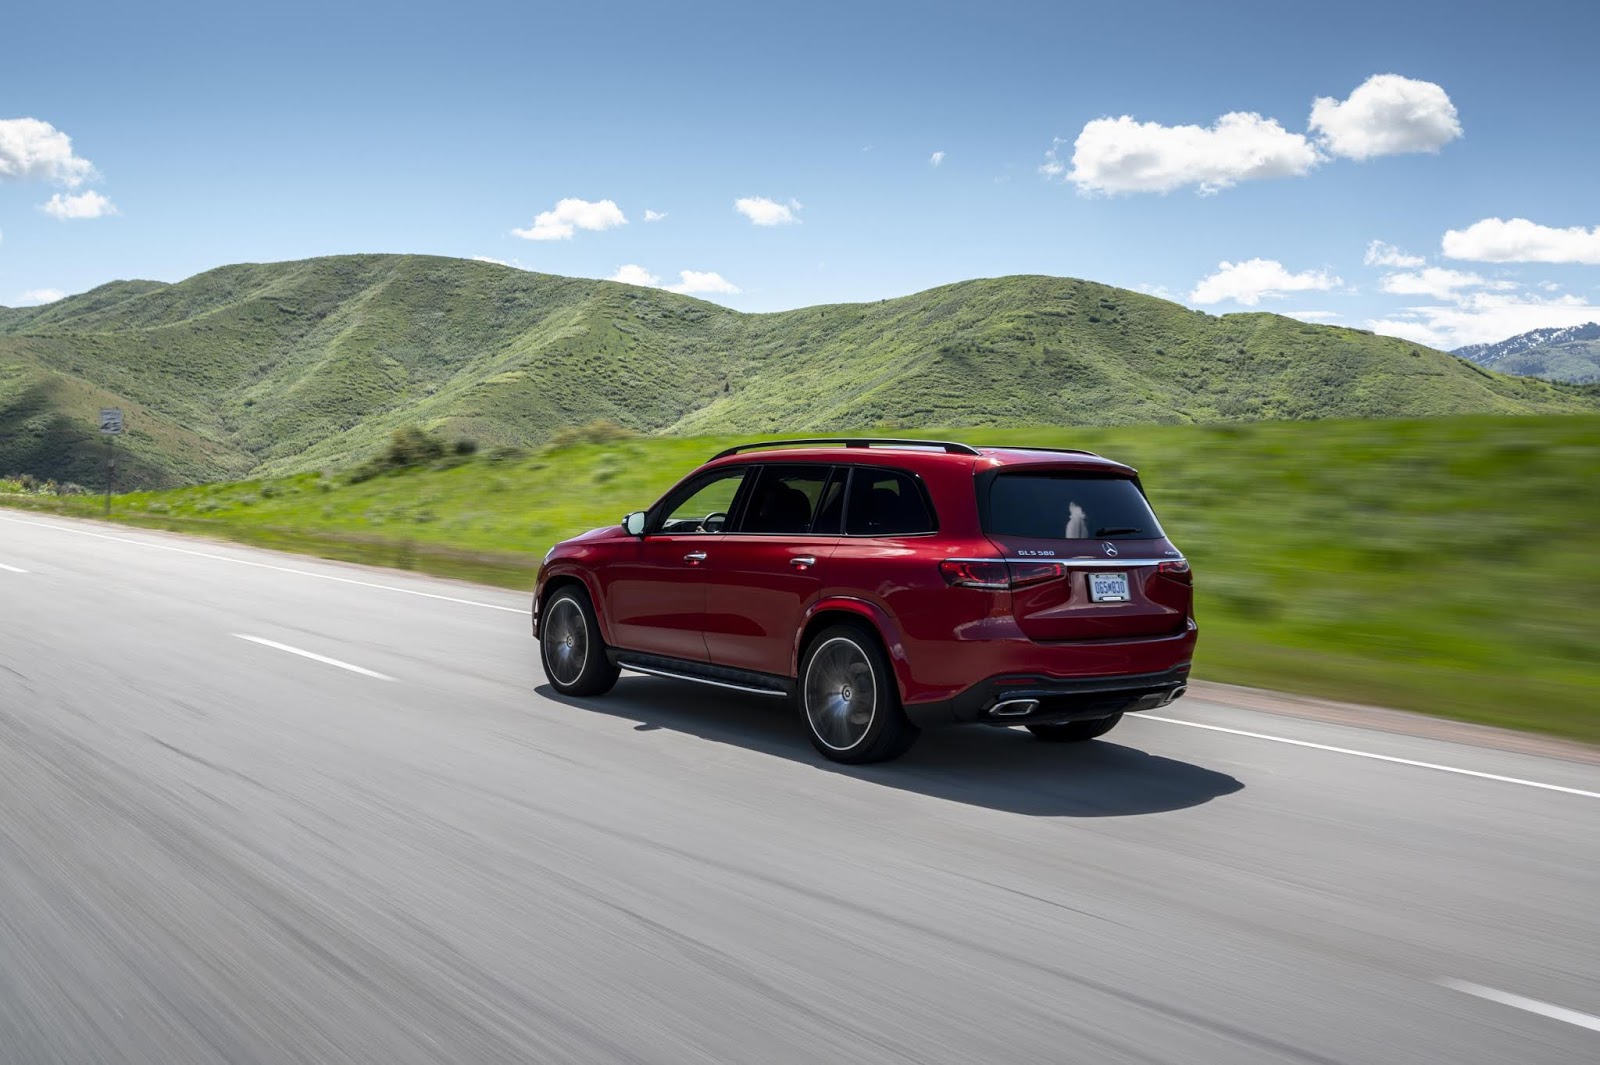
(227, 133)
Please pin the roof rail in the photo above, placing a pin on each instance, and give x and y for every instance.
(852, 441)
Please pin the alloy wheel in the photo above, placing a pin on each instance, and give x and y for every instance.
(841, 694)
(566, 641)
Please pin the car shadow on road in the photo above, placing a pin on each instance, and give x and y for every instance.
(999, 768)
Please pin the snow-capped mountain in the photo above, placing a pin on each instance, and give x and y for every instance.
(1568, 353)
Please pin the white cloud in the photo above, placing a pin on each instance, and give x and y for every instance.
(31, 150)
(1386, 115)
(1251, 281)
(693, 281)
(570, 215)
(1484, 318)
(1114, 155)
(653, 216)
(1440, 283)
(765, 212)
(489, 259)
(936, 158)
(689, 281)
(634, 274)
(83, 205)
(1158, 291)
(1518, 240)
(35, 296)
(1312, 316)
(1412, 329)
(1381, 254)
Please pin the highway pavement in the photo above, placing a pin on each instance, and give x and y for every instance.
(262, 808)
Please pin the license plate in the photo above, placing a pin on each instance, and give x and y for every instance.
(1108, 587)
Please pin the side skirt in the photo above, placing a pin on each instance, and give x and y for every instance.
(740, 680)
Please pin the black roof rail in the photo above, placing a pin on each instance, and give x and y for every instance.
(852, 441)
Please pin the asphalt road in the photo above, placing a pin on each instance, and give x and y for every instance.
(216, 849)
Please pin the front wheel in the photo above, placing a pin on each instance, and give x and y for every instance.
(570, 647)
(1075, 731)
(849, 698)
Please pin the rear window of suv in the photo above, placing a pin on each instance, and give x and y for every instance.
(1068, 506)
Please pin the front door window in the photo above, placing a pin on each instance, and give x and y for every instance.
(704, 505)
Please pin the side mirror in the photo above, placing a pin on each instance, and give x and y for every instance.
(633, 524)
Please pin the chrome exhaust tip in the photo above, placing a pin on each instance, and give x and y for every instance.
(1177, 693)
(1014, 708)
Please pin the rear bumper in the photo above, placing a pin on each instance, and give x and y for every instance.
(1027, 699)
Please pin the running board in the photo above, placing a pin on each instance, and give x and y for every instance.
(739, 680)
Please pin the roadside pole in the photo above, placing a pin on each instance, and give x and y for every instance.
(110, 428)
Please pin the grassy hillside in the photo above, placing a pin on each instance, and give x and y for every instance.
(303, 365)
(1444, 565)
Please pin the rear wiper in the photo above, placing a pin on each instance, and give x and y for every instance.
(1116, 532)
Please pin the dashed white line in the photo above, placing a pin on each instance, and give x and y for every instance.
(265, 565)
(315, 657)
(1532, 1005)
(1376, 757)
(11, 569)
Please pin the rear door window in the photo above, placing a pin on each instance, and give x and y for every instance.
(785, 499)
(829, 520)
(886, 503)
(1069, 506)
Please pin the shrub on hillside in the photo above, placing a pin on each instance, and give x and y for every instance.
(596, 432)
(408, 446)
(30, 485)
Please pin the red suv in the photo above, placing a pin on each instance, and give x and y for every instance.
(885, 586)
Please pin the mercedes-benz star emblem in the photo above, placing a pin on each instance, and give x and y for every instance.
(1111, 549)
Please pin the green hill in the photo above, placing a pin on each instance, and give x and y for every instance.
(282, 367)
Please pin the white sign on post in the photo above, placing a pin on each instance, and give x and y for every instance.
(111, 420)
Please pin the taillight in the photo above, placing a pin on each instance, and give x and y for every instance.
(997, 575)
(1033, 572)
(965, 573)
(1177, 570)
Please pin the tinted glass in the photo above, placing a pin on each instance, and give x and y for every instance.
(886, 503)
(830, 511)
(1057, 506)
(703, 506)
(785, 499)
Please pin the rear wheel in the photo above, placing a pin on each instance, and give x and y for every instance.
(849, 699)
(570, 647)
(1075, 731)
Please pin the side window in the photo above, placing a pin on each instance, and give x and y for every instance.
(829, 520)
(784, 499)
(703, 506)
(886, 503)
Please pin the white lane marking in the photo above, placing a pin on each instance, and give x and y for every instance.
(1532, 1005)
(11, 569)
(314, 656)
(264, 565)
(1376, 757)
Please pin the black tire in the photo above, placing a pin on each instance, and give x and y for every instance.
(846, 721)
(1075, 731)
(570, 647)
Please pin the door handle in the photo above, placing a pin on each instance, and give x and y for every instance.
(694, 558)
(803, 561)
